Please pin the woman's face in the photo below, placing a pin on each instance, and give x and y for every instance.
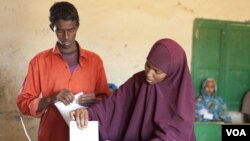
(210, 87)
(153, 74)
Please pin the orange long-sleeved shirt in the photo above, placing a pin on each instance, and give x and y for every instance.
(47, 74)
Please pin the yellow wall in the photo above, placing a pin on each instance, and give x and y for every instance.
(121, 32)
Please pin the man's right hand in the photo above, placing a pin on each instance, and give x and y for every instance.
(64, 96)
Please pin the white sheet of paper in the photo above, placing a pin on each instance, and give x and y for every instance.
(64, 110)
(203, 111)
(206, 114)
(88, 134)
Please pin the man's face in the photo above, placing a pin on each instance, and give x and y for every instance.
(210, 87)
(65, 32)
(153, 74)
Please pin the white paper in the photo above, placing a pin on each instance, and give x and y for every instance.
(65, 109)
(88, 134)
(206, 114)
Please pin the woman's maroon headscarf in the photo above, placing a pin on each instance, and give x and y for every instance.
(139, 111)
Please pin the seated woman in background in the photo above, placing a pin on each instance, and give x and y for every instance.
(210, 106)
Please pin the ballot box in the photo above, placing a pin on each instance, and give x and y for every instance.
(208, 131)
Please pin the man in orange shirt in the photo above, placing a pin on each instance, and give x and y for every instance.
(58, 73)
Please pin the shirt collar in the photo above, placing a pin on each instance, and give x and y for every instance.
(56, 50)
(82, 52)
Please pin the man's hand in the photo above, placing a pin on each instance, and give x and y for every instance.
(64, 96)
(86, 99)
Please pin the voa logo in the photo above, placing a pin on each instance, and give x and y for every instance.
(236, 132)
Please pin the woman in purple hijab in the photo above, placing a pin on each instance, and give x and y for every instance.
(157, 104)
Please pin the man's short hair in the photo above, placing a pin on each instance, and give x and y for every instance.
(63, 11)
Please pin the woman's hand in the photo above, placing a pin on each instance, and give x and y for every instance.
(81, 116)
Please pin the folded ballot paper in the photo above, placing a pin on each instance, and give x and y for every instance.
(88, 134)
(65, 109)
